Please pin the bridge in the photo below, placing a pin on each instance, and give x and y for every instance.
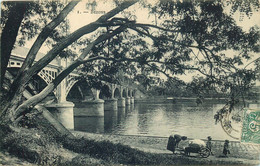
(62, 104)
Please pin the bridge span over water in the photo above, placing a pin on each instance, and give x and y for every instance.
(63, 104)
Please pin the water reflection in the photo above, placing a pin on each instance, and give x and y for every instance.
(121, 114)
(159, 119)
(110, 120)
(89, 124)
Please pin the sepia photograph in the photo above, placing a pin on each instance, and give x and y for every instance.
(130, 82)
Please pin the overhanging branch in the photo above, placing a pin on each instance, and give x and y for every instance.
(155, 26)
(20, 85)
(167, 39)
(9, 33)
(50, 87)
(44, 35)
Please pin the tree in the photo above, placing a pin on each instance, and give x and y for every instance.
(17, 17)
(191, 36)
(28, 70)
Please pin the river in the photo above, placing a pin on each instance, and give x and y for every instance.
(160, 118)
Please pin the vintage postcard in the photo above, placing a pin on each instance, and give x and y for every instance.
(130, 82)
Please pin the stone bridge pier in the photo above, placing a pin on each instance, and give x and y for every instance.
(127, 98)
(94, 107)
(118, 97)
(121, 100)
(64, 110)
(111, 103)
(132, 99)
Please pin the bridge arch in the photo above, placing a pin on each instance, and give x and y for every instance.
(48, 75)
(79, 91)
(124, 92)
(117, 93)
(133, 93)
(129, 92)
(75, 93)
(35, 85)
(38, 83)
(70, 82)
(105, 92)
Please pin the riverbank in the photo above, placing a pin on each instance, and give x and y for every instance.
(9, 160)
(247, 154)
(103, 149)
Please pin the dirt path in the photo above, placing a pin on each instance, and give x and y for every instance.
(244, 153)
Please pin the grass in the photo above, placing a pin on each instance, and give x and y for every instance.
(122, 154)
(39, 143)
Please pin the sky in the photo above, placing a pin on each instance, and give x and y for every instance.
(84, 13)
(81, 15)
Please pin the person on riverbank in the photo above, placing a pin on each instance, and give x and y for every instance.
(171, 143)
(178, 139)
(226, 148)
(209, 144)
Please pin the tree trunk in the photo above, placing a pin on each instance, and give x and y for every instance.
(31, 57)
(50, 87)
(9, 33)
(18, 87)
(42, 37)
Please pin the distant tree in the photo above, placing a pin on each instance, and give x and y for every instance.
(177, 88)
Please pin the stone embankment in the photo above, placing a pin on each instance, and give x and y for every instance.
(244, 153)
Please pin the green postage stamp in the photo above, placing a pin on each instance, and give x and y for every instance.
(251, 126)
